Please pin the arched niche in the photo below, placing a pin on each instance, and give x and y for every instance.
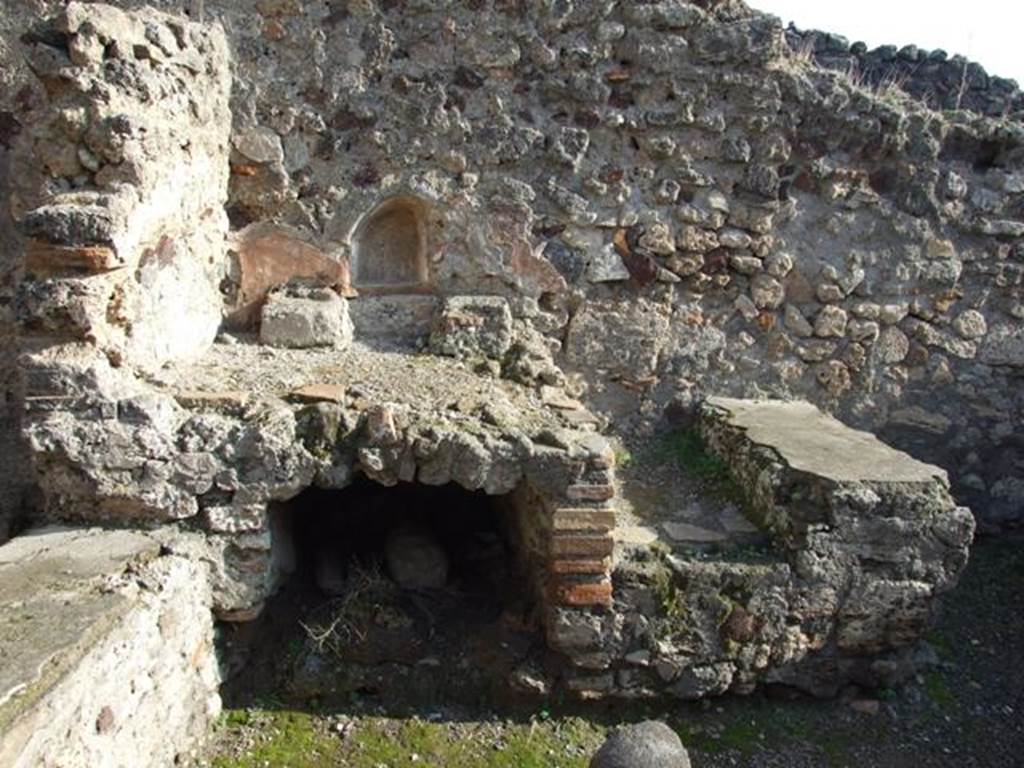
(389, 252)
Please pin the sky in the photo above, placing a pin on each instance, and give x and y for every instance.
(986, 31)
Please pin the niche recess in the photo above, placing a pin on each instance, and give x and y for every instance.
(390, 248)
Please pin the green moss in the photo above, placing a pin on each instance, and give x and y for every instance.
(938, 690)
(285, 739)
(295, 742)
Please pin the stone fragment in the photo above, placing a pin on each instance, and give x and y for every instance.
(260, 144)
(829, 293)
(767, 292)
(745, 263)
(970, 324)
(650, 744)
(658, 239)
(892, 345)
(303, 318)
(571, 145)
(834, 376)
(778, 264)
(606, 266)
(863, 330)
(685, 264)
(319, 393)
(830, 323)
(746, 307)
(797, 323)
(1004, 345)
(468, 327)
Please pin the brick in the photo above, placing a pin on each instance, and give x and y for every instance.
(572, 519)
(590, 492)
(319, 393)
(581, 546)
(42, 257)
(581, 593)
(589, 566)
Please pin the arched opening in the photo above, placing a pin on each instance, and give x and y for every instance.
(390, 246)
(396, 595)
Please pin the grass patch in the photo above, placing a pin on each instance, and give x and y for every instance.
(283, 739)
(293, 739)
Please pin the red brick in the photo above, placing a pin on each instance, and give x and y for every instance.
(319, 393)
(579, 567)
(581, 546)
(590, 492)
(581, 593)
(44, 258)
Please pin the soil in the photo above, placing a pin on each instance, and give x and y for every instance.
(964, 711)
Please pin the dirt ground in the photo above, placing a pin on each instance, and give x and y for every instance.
(968, 710)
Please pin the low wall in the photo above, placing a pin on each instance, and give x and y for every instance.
(107, 648)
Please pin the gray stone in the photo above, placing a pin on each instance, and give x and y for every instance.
(606, 266)
(650, 744)
(472, 327)
(317, 318)
(1004, 345)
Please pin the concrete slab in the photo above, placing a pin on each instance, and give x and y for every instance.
(811, 441)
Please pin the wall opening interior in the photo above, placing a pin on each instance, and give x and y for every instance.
(390, 248)
(396, 595)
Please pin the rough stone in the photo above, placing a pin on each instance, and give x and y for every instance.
(472, 326)
(314, 318)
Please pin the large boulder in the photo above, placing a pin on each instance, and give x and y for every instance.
(650, 744)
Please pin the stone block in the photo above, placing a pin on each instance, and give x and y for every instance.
(469, 327)
(304, 319)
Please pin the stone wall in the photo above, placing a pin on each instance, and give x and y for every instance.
(668, 194)
(935, 78)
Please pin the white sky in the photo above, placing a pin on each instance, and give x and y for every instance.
(986, 31)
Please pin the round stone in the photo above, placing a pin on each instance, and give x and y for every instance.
(971, 324)
(650, 744)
